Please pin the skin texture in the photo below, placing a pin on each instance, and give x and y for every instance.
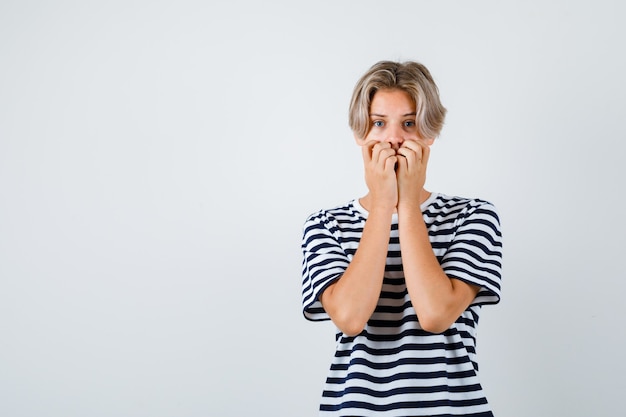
(395, 159)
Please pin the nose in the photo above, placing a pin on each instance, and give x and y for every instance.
(395, 137)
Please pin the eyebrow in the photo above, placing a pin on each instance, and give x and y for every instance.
(384, 115)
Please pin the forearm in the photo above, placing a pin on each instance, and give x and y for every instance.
(352, 299)
(438, 300)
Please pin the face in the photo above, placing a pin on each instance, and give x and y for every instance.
(392, 118)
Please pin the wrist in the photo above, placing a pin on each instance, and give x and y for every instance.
(385, 210)
(409, 204)
(384, 206)
(412, 201)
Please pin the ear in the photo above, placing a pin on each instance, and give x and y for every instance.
(429, 141)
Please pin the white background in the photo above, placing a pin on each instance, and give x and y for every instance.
(158, 160)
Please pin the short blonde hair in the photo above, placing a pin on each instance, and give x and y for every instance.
(411, 77)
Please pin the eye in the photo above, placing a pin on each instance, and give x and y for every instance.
(409, 123)
(378, 123)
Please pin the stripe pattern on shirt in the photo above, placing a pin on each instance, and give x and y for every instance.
(394, 367)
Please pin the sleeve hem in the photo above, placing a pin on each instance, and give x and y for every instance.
(485, 296)
(313, 313)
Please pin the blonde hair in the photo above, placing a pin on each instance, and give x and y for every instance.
(411, 77)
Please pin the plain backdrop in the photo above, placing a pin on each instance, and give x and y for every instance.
(158, 160)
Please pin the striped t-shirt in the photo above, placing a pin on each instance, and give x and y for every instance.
(393, 367)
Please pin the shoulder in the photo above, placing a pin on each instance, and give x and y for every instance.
(338, 224)
(327, 230)
(347, 212)
(461, 207)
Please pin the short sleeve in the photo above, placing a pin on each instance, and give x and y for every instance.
(475, 254)
(323, 262)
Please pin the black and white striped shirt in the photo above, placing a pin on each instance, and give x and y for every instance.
(393, 367)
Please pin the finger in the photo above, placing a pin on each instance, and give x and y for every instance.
(408, 153)
(380, 151)
(414, 145)
(369, 150)
(383, 154)
(390, 163)
(425, 154)
(402, 164)
(413, 159)
(425, 145)
(366, 149)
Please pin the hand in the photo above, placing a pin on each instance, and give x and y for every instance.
(411, 173)
(380, 159)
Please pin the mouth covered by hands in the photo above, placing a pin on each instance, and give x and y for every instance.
(395, 176)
